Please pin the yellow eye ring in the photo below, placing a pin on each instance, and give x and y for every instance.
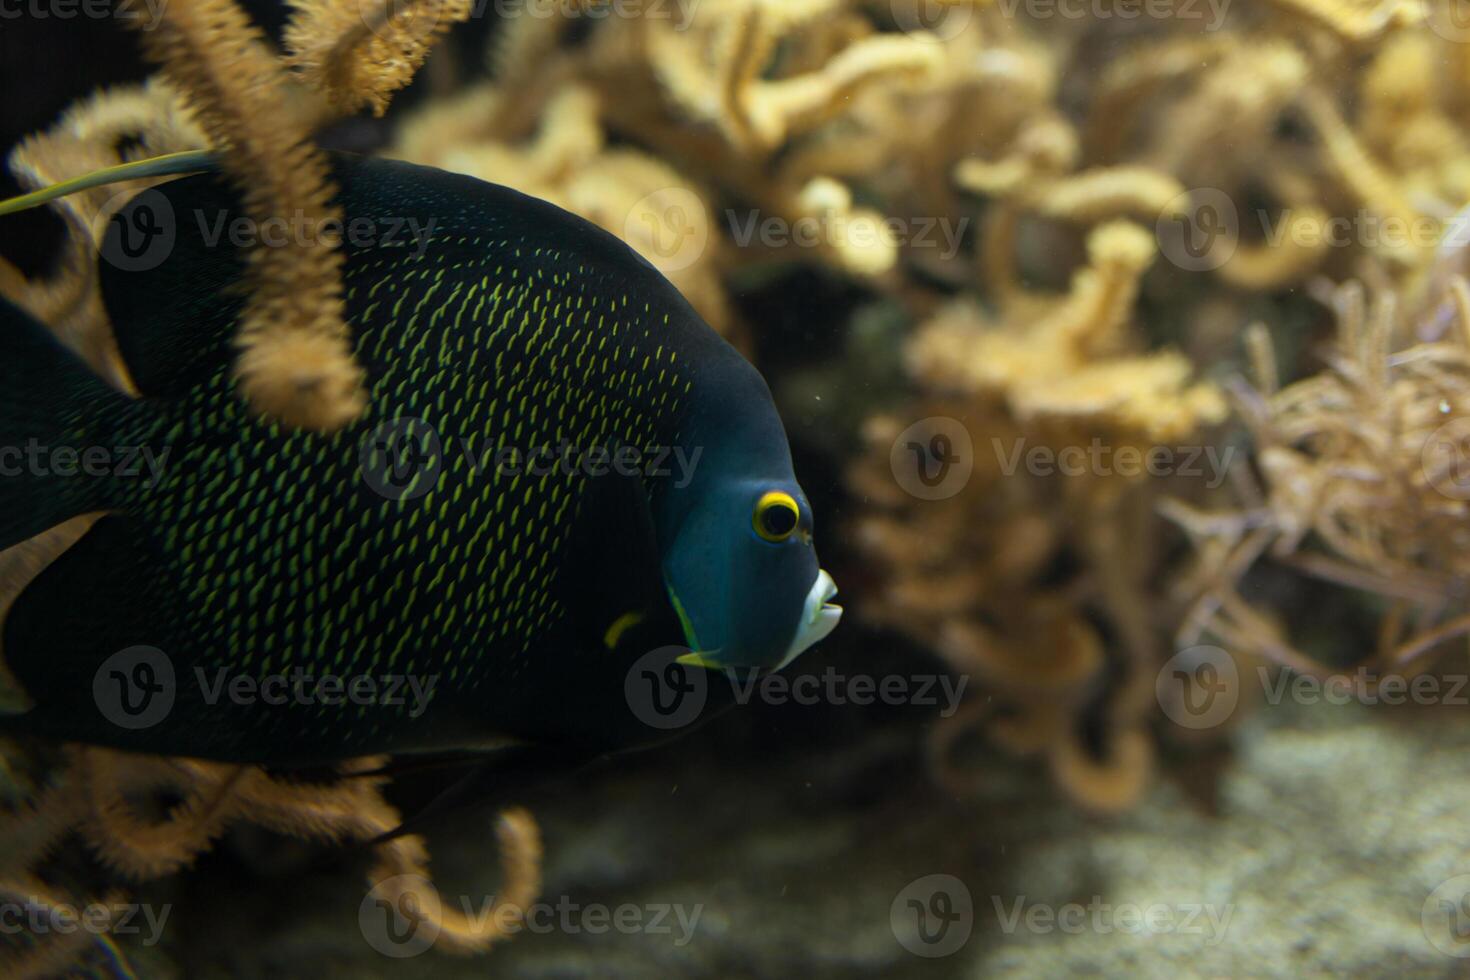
(777, 516)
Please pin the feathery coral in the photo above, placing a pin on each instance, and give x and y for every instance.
(359, 54)
(236, 86)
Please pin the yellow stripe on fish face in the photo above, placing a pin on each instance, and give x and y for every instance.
(620, 626)
(705, 660)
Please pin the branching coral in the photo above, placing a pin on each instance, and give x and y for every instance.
(974, 577)
(1302, 139)
(1062, 360)
(359, 54)
(1055, 373)
(294, 363)
(715, 109)
(240, 101)
(1234, 137)
(145, 816)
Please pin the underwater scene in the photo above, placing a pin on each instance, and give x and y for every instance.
(734, 489)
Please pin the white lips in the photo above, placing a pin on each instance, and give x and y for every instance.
(818, 618)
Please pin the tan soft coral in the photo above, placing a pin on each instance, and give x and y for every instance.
(1072, 361)
(966, 575)
(718, 109)
(973, 577)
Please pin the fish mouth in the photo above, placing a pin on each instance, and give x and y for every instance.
(819, 617)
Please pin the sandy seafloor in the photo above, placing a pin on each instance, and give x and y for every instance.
(1309, 848)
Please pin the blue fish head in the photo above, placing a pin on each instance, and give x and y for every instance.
(738, 557)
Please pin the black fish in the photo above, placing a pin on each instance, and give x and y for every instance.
(562, 475)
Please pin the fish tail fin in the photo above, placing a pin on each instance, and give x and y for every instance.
(53, 412)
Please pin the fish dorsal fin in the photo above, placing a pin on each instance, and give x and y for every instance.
(174, 257)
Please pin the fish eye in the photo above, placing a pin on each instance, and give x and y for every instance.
(777, 516)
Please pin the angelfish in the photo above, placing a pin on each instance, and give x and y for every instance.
(401, 546)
